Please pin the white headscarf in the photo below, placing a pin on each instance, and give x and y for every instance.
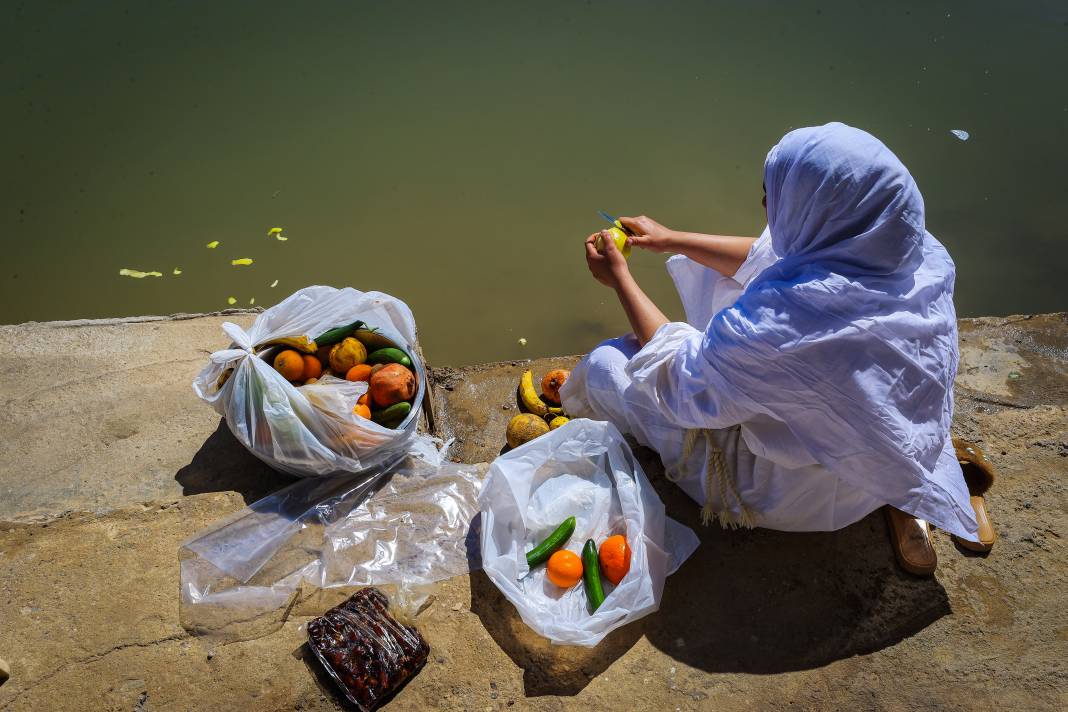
(850, 338)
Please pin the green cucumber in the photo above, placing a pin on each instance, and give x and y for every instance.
(591, 575)
(392, 415)
(541, 553)
(389, 355)
(338, 333)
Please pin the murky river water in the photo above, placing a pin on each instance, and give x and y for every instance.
(455, 154)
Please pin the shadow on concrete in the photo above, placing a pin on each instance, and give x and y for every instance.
(763, 601)
(330, 687)
(222, 464)
(547, 669)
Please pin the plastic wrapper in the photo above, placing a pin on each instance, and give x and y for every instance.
(406, 527)
(584, 469)
(367, 652)
(312, 430)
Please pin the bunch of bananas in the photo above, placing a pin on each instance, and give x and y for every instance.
(540, 416)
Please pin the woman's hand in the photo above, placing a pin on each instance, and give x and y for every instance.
(649, 234)
(609, 268)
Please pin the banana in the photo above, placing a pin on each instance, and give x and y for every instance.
(529, 397)
(300, 343)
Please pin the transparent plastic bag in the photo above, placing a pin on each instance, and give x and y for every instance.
(585, 469)
(405, 527)
(312, 430)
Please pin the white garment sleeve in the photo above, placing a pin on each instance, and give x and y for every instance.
(672, 381)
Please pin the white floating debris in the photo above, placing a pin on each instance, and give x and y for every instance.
(274, 284)
(281, 238)
(176, 272)
(960, 133)
(242, 261)
(231, 301)
(522, 341)
(252, 301)
(138, 274)
(212, 245)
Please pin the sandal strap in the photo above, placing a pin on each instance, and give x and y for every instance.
(977, 468)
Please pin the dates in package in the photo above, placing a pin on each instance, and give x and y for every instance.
(367, 652)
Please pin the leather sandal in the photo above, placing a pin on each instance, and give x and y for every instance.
(979, 476)
(911, 539)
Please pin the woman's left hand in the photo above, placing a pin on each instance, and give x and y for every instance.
(608, 268)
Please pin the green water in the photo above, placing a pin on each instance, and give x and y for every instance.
(455, 154)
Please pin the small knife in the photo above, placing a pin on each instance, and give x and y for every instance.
(616, 223)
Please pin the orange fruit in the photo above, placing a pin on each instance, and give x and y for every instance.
(365, 399)
(564, 568)
(311, 381)
(392, 384)
(362, 410)
(550, 385)
(290, 364)
(614, 556)
(313, 368)
(359, 372)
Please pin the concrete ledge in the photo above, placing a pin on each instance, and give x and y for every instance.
(109, 462)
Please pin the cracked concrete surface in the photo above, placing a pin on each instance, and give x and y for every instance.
(110, 462)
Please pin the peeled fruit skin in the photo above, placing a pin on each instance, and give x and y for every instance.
(551, 383)
(525, 427)
(392, 384)
(346, 354)
(621, 242)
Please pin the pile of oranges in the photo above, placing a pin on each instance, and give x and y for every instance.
(564, 567)
(391, 381)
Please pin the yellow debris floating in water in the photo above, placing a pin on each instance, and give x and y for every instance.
(282, 238)
(177, 272)
(138, 274)
(242, 261)
(274, 231)
(522, 342)
(213, 244)
(231, 301)
(274, 284)
(252, 301)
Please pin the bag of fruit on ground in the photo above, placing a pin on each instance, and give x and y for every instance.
(574, 535)
(325, 382)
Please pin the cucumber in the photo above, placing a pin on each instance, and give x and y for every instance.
(541, 553)
(393, 415)
(591, 575)
(336, 334)
(389, 355)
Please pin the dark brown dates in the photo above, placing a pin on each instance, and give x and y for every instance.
(367, 652)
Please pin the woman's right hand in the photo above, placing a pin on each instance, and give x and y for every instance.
(649, 234)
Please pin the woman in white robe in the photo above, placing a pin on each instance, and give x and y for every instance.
(812, 380)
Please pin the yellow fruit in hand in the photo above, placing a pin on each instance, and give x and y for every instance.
(620, 238)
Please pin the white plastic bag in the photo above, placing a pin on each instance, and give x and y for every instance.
(405, 527)
(312, 430)
(585, 469)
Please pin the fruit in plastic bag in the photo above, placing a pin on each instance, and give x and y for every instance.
(614, 557)
(290, 364)
(347, 354)
(392, 384)
(564, 568)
